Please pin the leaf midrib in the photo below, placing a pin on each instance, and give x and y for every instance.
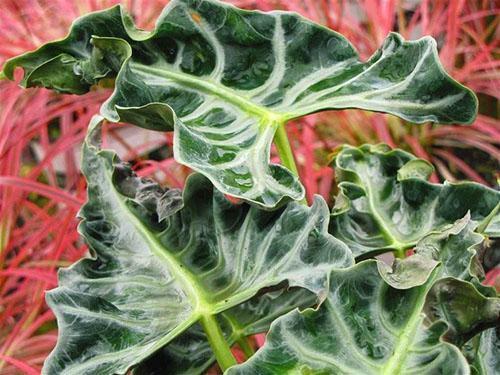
(194, 290)
(407, 335)
(385, 230)
(186, 279)
(205, 84)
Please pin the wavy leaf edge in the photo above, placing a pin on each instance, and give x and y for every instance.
(271, 184)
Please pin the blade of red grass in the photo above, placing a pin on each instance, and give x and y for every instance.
(43, 189)
(23, 366)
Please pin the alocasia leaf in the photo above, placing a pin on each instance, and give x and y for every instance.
(453, 249)
(463, 307)
(226, 80)
(449, 255)
(386, 202)
(367, 327)
(158, 268)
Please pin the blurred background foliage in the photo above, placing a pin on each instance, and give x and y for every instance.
(41, 188)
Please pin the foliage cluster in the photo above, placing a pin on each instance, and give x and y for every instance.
(184, 277)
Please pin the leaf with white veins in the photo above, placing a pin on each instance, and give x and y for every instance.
(455, 248)
(483, 352)
(190, 353)
(227, 79)
(159, 268)
(387, 204)
(367, 327)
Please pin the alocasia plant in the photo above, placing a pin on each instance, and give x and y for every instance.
(368, 327)
(176, 279)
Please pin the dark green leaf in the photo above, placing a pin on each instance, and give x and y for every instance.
(367, 327)
(387, 204)
(233, 77)
(466, 311)
(159, 268)
(455, 247)
(190, 353)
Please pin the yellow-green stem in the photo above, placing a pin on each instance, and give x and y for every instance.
(218, 343)
(244, 343)
(400, 253)
(285, 151)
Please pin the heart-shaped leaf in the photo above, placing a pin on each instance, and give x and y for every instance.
(235, 77)
(397, 323)
(387, 204)
(367, 327)
(159, 268)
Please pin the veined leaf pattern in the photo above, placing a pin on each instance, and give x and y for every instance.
(386, 203)
(161, 264)
(367, 327)
(226, 80)
(483, 352)
(190, 353)
(455, 248)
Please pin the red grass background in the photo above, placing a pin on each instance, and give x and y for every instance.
(41, 188)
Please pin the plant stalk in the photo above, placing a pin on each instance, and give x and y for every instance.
(218, 343)
(245, 345)
(400, 253)
(285, 151)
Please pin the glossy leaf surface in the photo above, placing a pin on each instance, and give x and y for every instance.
(232, 77)
(455, 248)
(159, 268)
(367, 327)
(386, 202)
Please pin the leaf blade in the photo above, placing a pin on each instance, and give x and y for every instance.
(375, 321)
(161, 263)
(225, 79)
(364, 326)
(387, 204)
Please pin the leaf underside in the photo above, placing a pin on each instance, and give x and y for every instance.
(161, 263)
(224, 79)
(386, 203)
(455, 248)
